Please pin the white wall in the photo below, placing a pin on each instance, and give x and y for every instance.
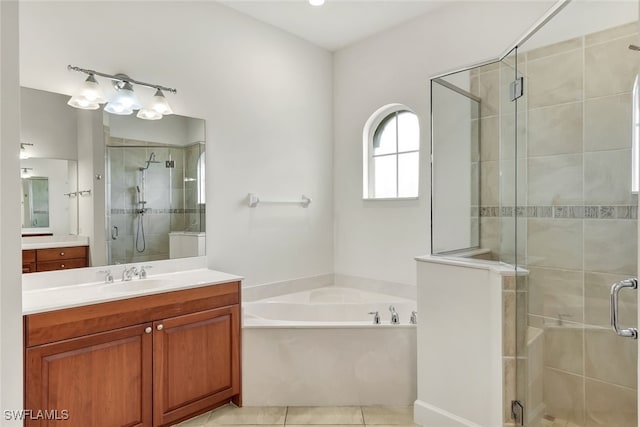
(49, 124)
(172, 129)
(379, 239)
(10, 284)
(266, 98)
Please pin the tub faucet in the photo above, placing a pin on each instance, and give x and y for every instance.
(395, 319)
(128, 273)
(108, 277)
(376, 317)
(414, 318)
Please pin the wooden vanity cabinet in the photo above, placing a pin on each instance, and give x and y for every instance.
(148, 361)
(51, 259)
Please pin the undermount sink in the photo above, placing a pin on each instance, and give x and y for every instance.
(136, 285)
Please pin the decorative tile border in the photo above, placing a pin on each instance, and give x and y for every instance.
(157, 211)
(560, 212)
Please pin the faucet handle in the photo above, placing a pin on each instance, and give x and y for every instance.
(414, 318)
(376, 317)
(395, 319)
(143, 271)
(108, 277)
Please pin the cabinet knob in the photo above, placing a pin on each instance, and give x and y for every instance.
(147, 330)
(61, 265)
(159, 327)
(61, 253)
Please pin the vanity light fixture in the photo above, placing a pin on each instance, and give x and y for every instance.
(124, 102)
(89, 96)
(25, 172)
(23, 150)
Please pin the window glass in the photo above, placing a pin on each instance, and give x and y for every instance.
(385, 176)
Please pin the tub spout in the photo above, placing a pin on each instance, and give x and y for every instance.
(395, 319)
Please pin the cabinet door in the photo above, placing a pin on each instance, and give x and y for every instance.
(100, 380)
(196, 363)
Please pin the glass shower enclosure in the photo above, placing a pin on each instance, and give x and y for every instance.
(557, 200)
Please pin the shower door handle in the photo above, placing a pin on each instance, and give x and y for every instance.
(114, 233)
(615, 290)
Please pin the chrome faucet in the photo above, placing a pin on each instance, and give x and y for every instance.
(414, 318)
(108, 277)
(143, 271)
(395, 319)
(128, 273)
(376, 317)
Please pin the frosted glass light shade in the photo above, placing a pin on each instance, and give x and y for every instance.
(159, 104)
(124, 101)
(316, 2)
(148, 114)
(89, 96)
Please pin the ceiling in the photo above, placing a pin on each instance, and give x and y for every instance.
(337, 23)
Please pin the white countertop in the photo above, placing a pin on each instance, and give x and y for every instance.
(44, 242)
(501, 268)
(41, 298)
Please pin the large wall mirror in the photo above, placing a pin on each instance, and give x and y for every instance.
(134, 188)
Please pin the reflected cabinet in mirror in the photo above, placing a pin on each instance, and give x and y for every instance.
(455, 165)
(130, 189)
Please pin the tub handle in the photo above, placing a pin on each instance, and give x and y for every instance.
(414, 318)
(615, 290)
(376, 317)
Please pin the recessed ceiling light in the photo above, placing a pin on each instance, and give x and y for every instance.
(316, 2)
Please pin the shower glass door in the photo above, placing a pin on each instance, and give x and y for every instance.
(575, 231)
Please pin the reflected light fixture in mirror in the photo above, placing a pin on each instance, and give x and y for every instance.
(23, 150)
(25, 172)
(124, 102)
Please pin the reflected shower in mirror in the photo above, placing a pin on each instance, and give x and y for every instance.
(153, 198)
(455, 164)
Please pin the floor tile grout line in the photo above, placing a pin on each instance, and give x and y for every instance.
(286, 415)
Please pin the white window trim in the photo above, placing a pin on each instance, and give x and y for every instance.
(367, 152)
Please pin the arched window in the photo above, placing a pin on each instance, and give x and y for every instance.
(391, 154)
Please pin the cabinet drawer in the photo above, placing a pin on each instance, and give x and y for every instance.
(64, 264)
(54, 254)
(28, 256)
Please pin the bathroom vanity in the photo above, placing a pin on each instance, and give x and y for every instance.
(50, 253)
(149, 352)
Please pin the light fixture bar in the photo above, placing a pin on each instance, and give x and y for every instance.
(120, 78)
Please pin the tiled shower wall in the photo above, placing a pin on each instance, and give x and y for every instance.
(578, 222)
(582, 223)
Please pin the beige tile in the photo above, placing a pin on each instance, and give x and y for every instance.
(248, 415)
(198, 421)
(611, 358)
(563, 347)
(610, 68)
(388, 415)
(489, 67)
(521, 330)
(556, 293)
(555, 130)
(555, 180)
(508, 386)
(608, 405)
(325, 415)
(597, 300)
(489, 183)
(607, 123)
(610, 246)
(508, 323)
(607, 178)
(475, 183)
(489, 92)
(555, 80)
(555, 48)
(475, 141)
(489, 138)
(489, 234)
(612, 33)
(555, 243)
(564, 395)
(508, 283)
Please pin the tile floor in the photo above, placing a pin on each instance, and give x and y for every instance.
(342, 416)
